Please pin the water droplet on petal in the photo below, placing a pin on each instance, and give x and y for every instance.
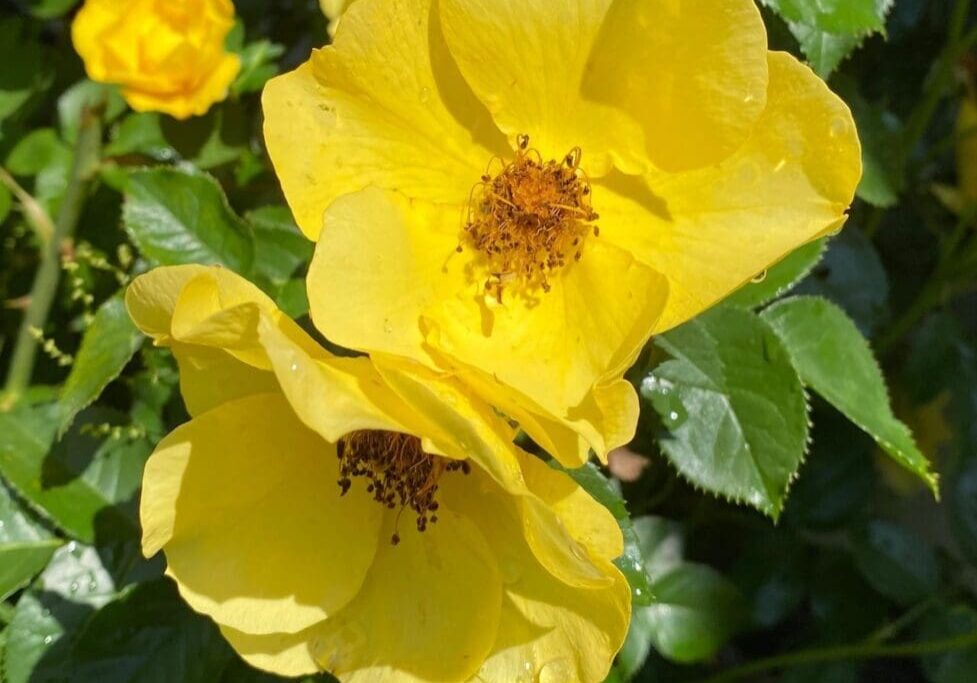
(525, 673)
(757, 279)
(425, 95)
(558, 671)
(294, 367)
(838, 128)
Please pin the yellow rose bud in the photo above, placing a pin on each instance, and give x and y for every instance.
(167, 55)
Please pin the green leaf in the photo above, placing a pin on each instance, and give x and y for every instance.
(661, 546)
(25, 545)
(280, 248)
(88, 94)
(734, 408)
(961, 509)
(50, 9)
(149, 635)
(896, 562)
(73, 586)
(36, 151)
(631, 563)
(78, 483)
(954, 666)
(219, 137)
(108, 345)
(828, 30)
(6, 202)
(780, 278)
(26, 73)
(834, 359)
(140, 133)
(258, 65)
(177, 217)
(696, 612)
(852, 275)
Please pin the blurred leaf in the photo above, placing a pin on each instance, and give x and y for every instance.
(852, 275)
(176, 217)
(140, 133)
(734, 407)
(258, 65)
(631, 563)
(834, 359)
(836, 481)
(88, 94)
(50, 9)
(6, 202)
(39, 149)
(780, 278)
(25, 545)
(73, 586)
(25, 73)
(771, 572)
(78, 482)
(896, 562)
(879, 132)
(279, 247)
(836, 672)
(293, 298)
(845, 607)
(828, 30)
(961, 509)
(108, 345)
(149, 635)
(219, 137)
(956, 666)
(696, 611)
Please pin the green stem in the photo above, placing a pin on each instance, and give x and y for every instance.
(87, 155)
(845, 653)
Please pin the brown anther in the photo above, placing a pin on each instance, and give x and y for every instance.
(398, 470)
(530, 219)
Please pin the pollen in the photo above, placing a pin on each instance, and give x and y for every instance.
(530, 220)
(398, 471)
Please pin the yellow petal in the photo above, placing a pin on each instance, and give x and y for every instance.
(197, 101)
(384, 106)
(525, 59)
(692, 73)
(381, 263)
(209, 377)
(284, 654)
(549, 631)
(429, 608)
(554, 348)
(711, 230)
(395, 262)
(244, 502)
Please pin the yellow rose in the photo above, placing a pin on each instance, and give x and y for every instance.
(166, 55)
(478, 563)
(524, 191)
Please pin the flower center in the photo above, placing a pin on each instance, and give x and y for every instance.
(398, 469)
(530, 219)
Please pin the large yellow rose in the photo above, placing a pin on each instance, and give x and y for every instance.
(366, 518)
(524, 191)
(167, 55)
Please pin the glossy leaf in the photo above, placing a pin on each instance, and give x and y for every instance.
(734, 408)
(25, 545)
(834, 360)
(780, 278)
(108, 345)
(631, 563)
(79, 483)
(696, 611)
(176, 217)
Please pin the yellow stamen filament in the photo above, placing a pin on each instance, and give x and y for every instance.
(531, 219)
(399, 471)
